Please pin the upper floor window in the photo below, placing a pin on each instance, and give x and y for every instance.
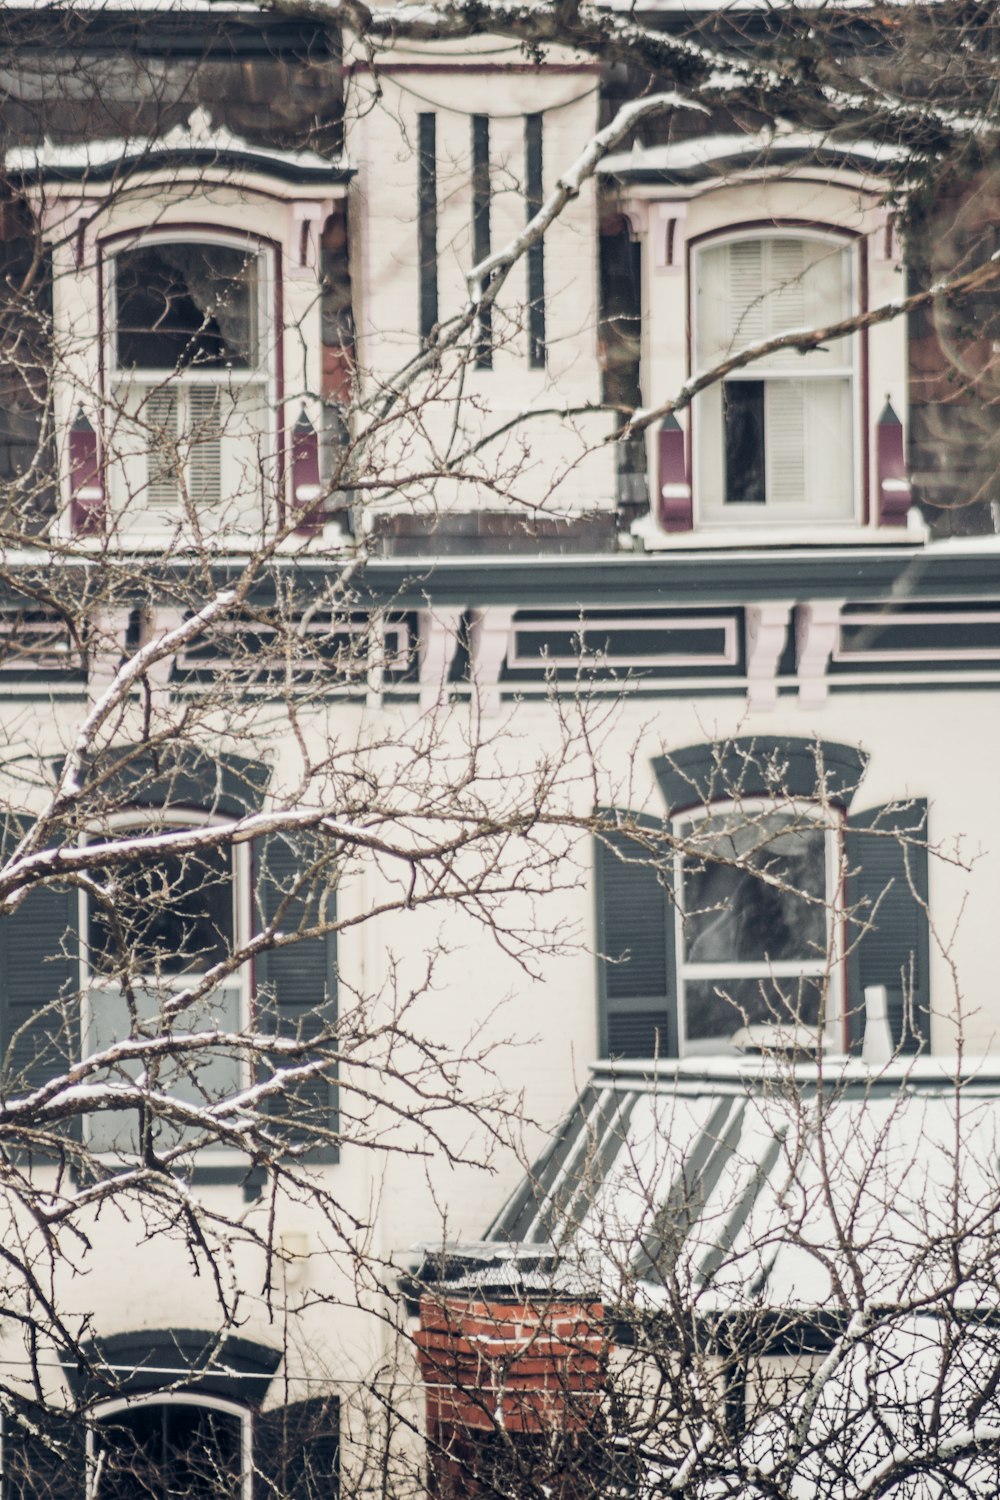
(756, 897)
(166, 921)
(191, 377)
(774, 441)
(759, 909)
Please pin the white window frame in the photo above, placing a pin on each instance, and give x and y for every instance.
(109, 1409)
(765, 516)
(241, 979)
(828, 965)
(269, 332)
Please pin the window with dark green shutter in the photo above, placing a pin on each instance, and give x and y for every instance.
(638, 999)
(888, 934)
(734, 934)
(297, 982)
(297, 1451)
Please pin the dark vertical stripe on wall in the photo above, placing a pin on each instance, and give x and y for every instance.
(536, 255)
(481, 225)
(427, 221)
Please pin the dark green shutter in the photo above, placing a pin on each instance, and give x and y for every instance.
(39, 987)
(297, 984)
(297, 1451)
(887, 886)
(45, 1459)
(636, 970)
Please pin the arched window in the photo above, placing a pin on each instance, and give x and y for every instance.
(173, 1447)
(726, 914)
(775, 440)
(190, 350)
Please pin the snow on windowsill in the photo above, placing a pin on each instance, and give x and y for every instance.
(751, 537)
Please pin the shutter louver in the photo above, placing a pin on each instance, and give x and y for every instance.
(159, 414)
(888, 887)
(785, 286)
(46, 1459)
(636, 974)
(297, 1451)
(745, 292)
(296, 985)
(39, 972)
(785, 449)
(205, 457)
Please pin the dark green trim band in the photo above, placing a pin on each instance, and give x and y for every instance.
(759, 766)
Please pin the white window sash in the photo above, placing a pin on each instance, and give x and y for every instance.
(829, 965)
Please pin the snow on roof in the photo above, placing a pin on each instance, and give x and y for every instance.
(704, 155)
(728, 1173)
(199, 142)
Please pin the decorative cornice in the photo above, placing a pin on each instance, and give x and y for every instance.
(199, 144)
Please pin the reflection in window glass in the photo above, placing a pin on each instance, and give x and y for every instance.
(755, 934)
(734, 915)
(200, 1076)
(169, 1451)
(717, 1009)
(181, 305)
(170, 915)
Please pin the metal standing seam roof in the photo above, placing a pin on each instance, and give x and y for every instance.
(736, 1177)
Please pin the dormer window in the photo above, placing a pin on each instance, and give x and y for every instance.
(187, 303)
(191, 379)
(774, 441)
(742, 238)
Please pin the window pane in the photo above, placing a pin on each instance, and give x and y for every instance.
(752, 290)
(186, 304)
(716, 1009)
(201, 1076)
(769, 904)
(743, 416)
(172, 914)
(171, 1452)
(203, 443)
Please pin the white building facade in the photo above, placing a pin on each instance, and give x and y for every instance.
(730, 677)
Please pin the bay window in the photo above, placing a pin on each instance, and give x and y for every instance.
(774, 440)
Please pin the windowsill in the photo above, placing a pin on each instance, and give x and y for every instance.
(213, 1167)
(229, 544)
(745, 538)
